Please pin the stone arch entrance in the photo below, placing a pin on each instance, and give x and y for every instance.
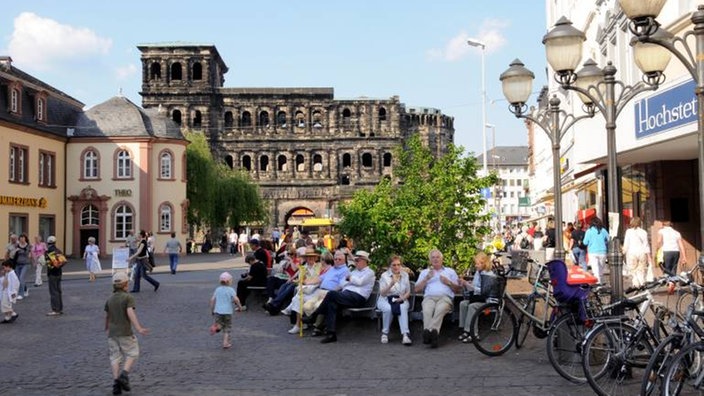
(295, 216)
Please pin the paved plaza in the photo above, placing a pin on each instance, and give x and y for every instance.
(67, 355)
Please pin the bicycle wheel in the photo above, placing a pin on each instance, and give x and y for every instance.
(493, 329)
(613, 355)
(685, 298)
(683, 377)
(524, 321)
(564, 347)
(658, 364)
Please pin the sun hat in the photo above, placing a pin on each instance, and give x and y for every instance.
(120, 277)
(361, 254)
(310, 252)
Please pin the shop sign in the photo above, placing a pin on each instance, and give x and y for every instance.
(23, 201)
(666, 110)
(123, 193)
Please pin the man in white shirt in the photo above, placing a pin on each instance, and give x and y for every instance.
(355, 292)
(438, 285)
(232, 239)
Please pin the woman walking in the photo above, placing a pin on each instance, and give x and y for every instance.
(140, 271)
(38, 259)
(672, 248)
(92, 257)
(637, 252)
(596, 239)
(22, 262)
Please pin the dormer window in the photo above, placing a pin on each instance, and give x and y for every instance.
(15, 100)
(40, 107)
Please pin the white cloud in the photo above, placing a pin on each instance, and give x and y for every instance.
(124, 72)
(40, 43)
(490, 33)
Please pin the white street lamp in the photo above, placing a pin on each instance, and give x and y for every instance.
(479, 44)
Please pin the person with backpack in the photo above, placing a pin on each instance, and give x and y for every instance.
(596, 239)
(577, 247)
(523, 240)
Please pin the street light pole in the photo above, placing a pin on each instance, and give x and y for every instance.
(648, 33)
(597, 88)
(517, 84)
(479, 44)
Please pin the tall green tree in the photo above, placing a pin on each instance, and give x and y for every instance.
(218, 196)
(434, 203)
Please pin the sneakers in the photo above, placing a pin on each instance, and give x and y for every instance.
(294, 330)
(384, 339)
(19, 297)
(53, 313)
(406, 340)
(26, 293)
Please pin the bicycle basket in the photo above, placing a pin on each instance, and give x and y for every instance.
(493, 286)
(533, 270)
(519, 260)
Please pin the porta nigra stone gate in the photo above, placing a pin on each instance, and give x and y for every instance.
(305, 149)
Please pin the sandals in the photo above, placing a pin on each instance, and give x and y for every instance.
(463, 336)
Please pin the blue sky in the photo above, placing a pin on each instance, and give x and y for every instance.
(413, 49)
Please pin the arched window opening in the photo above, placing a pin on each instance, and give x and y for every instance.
(382, 114)
(90, 165)
(197, 119)
(165, 216)
(89, 216)
(246, 119)
(300, 163)
(176, 71)
(264, 163)
(387, 160)
(300, 119)
(367, 160)
(317, 162)
(346, 117)
(281, 119)
(165, 165)
(228, 119)
(345, 180)
(197, 71)
(282, 165)
(229, 161)
(155, 71)
(264, 119)
(346, 160)
(123, 221)
(176, 116)
(247, 162)
(317, 119)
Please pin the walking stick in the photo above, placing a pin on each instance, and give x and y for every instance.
(301, 278)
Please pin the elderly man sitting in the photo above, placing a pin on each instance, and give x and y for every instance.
(355, 291)
(439, 285)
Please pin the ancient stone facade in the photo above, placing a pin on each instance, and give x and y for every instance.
(304, 148)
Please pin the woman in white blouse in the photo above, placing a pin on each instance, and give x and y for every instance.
(394, 292)
(637, 251)
(670, 241)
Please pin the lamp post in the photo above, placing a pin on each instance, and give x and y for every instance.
(649, 34)
(517, 84)
(479, 44)
(597, 88)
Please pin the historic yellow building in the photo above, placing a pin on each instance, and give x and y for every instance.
(71, 173)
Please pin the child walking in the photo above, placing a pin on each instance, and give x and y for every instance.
(221, 307)
(120, 316)
(9, 290)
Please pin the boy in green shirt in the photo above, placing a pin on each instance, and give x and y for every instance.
(120, 316)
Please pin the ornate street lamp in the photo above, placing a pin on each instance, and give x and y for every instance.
(517, 84)
(649, 36)
(597, 90)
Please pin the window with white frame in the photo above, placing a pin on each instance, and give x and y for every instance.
(165, 217)
(89, 216)
(90, 165)
(124, 221)
(14, 100)
(124, 165)
(165, 165)
(18, 164)
(46, 169)
(40, 109)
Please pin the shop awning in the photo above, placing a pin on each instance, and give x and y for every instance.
(317, 222)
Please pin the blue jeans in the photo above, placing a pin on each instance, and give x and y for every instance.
(140, 271)
(286, 291)
(580, 257)
(173, 262)
(21, 271)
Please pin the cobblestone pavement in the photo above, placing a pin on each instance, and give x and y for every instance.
(67, 355)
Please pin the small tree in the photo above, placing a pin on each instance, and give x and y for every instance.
(218, 196)
(437, 203)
